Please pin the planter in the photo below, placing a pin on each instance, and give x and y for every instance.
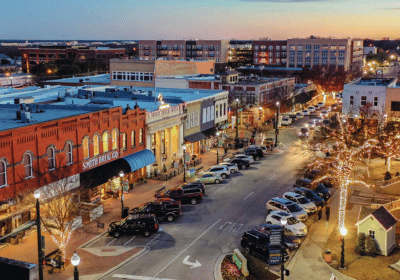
(328, 256)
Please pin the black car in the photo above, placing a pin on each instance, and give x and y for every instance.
(322, 192)
(256, 153)
(319, 189)
(190, 195)
(242, 164)
(194, 185)
(311, 195)
(291, 241)
(257, 243)
(145, 224)
(307, 183)
(163, 209)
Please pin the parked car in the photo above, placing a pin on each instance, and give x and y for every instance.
(232, 167)
(302, 201)
(257, 243)
(319, 189)
(241, 163)
(245, 157)
(311, 124)
(305, 112)
(268, 142)
(180, 194)
(304, 132)
(300, 115)
(293, 117)
(209, 178)
(145, 224)
(325, 113)
(283, 204)
(311, 109)
(293, 224)
(326, 122)
(286, 121)
(165, 209)
(320, 104)
(311, 195)
(220, 170)
(194, 185)
(290, 240)
(256, 153)
(318, 120)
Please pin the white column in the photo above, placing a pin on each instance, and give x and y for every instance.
(148, 145)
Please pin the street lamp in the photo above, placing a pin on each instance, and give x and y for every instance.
(11, 81)
(237, 124)
(39, 235)
(75, 260)
(121, 175)
(217, 146)
(283, 222)
(276, 123)
(261, 114)
(343, 232)
(184, 163)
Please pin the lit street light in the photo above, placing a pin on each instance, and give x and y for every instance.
(343, 232)
(276, 123)
(39, 235)
(217, 146)
(121, 175)
(75, 260)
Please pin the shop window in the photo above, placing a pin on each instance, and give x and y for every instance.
(69, 153)
(124, 141)
(133, 138)
(204, 115)
(52, 159)
(163, 142)
(114, 139)
(105, 142)
(153, 143)
(85, 145)
(3, 173)
(28, 166)
(141, 136)
(96, 145)
(212, 113)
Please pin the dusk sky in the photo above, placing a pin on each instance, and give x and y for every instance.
(202, 19)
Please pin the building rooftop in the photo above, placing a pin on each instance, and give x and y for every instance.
(373, 82)
(271, 68)
(100, 79)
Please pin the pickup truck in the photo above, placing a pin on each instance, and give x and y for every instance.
(191, 196)
(163, 209)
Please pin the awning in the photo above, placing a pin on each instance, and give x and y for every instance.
(209, 132)
(196, 137)
(140, 159)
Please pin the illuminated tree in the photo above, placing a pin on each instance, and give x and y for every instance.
(389, 145)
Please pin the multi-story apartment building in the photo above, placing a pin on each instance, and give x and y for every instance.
(216, 50)
(33, 56)
(270, 52)
(356, 58)
(240, 53)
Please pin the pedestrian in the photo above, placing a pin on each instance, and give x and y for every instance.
(319, 213)
(327, 211)
(225, 150)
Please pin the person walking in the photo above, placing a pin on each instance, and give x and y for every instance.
(327, 211)
(319, 213)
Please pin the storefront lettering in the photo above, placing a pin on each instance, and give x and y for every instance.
(99, 160)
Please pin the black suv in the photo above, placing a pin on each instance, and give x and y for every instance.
(256, 153)
(257, 243)
(163, 209)
(241, 163)
(191, 195)
(311, 195)
(319, 189)
(194, 185)
(145, 224)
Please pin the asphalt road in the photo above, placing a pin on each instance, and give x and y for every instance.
(189, 247)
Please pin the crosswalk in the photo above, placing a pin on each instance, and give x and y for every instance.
(230, 227)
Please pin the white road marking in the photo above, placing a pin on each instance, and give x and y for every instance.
(222, 226)
(188, 247)
(126, 276)
(248, 196)
(111, 242)
(232, 227)
(129, 240)
(237, 228)
(157, 235)
(192, 264)
(272, 177)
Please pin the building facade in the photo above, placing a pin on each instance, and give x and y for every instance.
(270, 53)
(240, 53)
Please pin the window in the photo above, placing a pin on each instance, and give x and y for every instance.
(333, 48)
(271, 54)
(197, 117)
(85, 145)
(363, 100)
(96, 145)
(204, 115)
(114, 139)
(308, 47)
(256, 48)
(371, 233)
(300, 47)
(163, 142)
(3, 173)
(153, 143)
(224, 109)
(52, 159)
(133, 138)
(271, 48)
(188, 120)
(212, 113)
(69, 153)
(192, 119)
(316, 61)
(220, 110)
(292, 47)
(28, 166)
(124, 141)
(352, 100)
(141, 136)
(278, 48)
(395, 106)
(375, 101)
(105, 142)
(208, 114)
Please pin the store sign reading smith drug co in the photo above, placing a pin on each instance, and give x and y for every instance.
(100, 160)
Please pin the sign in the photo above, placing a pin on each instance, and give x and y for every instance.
(275, 237)
(274, 256)
(100, 160)
(160, 229)
(176, 164)
(187, 157)
(125, 185)
(237, 261)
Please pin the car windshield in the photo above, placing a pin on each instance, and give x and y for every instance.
(142, 207)
(294, 208)
(292, 221)
(320, 187)
(303, 200)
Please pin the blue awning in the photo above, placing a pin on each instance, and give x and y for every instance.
(140, 159)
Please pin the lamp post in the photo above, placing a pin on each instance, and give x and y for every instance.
(75, 260)
(11, 78)
(121, 175)
(261, 114)
(276, 123)
(283, 222)
(343, 232)
(237, 123)
(39, 235)
(217, 146)
(184, 163)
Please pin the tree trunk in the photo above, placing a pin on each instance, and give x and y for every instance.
(388, 163)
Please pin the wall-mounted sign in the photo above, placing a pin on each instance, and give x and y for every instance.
(100, 160)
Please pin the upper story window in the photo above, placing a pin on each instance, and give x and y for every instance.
(271, 48)
(85, 146)
(3, 173)
(124, 141)
(114, 139)
(52, 159)
(96, 145)
(28, 166)
(133, 138)
(204, 115)
(69, 153)
(141, 140)
(105, 142)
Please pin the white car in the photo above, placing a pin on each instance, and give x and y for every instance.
(321, 104)
(293, 224)
(245, 157)
(220, 170)
(311, 109)
(311, 124)
(305, 112)
(232, 167)
(302, 201)
(286, 121)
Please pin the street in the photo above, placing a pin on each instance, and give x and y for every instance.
(189, 247)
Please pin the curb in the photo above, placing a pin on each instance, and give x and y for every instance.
(111, 270)
(338, 274)
(217, 268)
(94, 239)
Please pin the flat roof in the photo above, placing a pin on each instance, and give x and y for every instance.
(374, 82)
(271, 68)
(103, 79)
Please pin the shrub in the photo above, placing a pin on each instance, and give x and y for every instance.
(388, 176)
(370, 246)
(360, 244)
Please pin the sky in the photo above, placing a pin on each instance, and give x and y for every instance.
(201, 19)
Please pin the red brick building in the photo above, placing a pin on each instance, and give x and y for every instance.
(270, 53)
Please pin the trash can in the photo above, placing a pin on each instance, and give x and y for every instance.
(328, 256)
(125, 212)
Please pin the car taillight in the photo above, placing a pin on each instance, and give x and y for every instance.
(201, 194)
(156, 226)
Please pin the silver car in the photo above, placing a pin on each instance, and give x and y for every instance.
(220, 170)
(232, 167)
(286, 205)
(302, 201)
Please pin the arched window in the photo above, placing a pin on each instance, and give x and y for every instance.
(141, 136)
(28, 166)
(95, 145)
(133, 138)
(124, 141)
(3, 173)
(85, 144)
(52, 159)
(114, 139)
(70, 159)
(105, 142)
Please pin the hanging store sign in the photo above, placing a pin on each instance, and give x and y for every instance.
(100, 160)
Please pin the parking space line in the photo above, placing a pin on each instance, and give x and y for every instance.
(129, 240)
(157, 235)
(125, 276)
(248, 196)
(272, 177)
(111, 242)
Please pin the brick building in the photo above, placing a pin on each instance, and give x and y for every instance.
(272, 52)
